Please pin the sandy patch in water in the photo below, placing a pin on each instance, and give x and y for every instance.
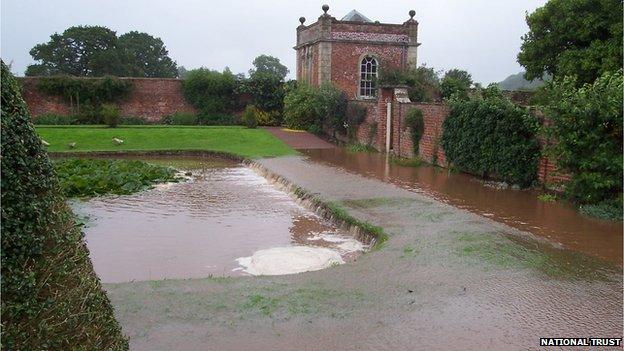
(289, 260)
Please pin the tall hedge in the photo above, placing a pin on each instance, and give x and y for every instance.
(586, 127)
(51, 297)
(493, 138)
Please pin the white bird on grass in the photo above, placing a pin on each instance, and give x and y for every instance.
(117, 141)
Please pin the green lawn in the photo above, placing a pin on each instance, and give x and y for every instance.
(237, 140)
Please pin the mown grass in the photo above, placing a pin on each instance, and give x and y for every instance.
(241, 141)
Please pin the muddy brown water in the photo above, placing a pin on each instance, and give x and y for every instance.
(198, 228)
(557, 221)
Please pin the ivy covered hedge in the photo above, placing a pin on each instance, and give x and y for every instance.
(586, 125)
(51, 297)
(491, 137)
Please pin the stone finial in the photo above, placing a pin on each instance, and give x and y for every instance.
(325, 9)
(301, 20)
(412, 13)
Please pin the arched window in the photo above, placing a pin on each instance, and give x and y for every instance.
(368, 77)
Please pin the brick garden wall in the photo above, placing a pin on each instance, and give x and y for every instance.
(430, 147)
(150, 98)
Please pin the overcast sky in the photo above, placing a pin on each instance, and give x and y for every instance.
(480, 36)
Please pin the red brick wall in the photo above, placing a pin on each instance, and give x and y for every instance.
(430, 148)
(345, 66)
(150, 98)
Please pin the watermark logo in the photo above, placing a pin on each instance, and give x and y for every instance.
(595, 342)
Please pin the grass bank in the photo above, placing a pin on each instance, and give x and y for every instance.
(242, 141)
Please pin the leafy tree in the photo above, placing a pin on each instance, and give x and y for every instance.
(456, 82)
(267, 90)
(95, 51)
(79, 51)
(586, 124)
(210, 92)
(269, 64)
(146, 56)
(580, 38)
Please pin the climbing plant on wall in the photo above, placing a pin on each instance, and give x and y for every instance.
(414, 120)
(491, 137)
(86, 95)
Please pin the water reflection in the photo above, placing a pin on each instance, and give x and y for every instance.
(196, 228)
(556, 221)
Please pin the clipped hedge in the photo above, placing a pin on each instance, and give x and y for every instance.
(493, 138)
(51, 297)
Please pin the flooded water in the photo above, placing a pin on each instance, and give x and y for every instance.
(224, 220)
(558, 221)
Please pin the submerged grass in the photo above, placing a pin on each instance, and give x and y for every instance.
(301, 301)
(547, 198)
(360, 148)
(92, 177)
(341, 214)
(407, 162)
(377, 202)
(511, 252)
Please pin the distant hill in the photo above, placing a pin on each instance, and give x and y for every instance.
(517, 82)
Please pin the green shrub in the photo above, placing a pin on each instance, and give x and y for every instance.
(586, 129)
(456, 83)
(249, 116)
(312, 108)
(180, 119)
(414, 120)
(492, 138)
(110, 114)
(210, 92)
(51, 297)
(54, 119)
(220, 119)
(266, 89)
(131, 120)
(299, 107)
(608, 209)
(88, 177)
